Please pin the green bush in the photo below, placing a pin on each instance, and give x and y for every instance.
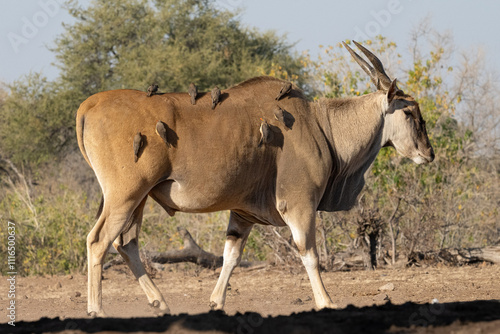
(54, 240)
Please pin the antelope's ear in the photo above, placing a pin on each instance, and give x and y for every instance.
(392, 91)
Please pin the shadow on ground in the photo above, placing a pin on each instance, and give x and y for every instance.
(406, 318)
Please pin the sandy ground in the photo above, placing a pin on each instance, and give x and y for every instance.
(468, 301)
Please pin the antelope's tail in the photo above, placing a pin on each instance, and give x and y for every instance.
(80, 128)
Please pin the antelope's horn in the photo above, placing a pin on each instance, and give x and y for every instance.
(385, 81)
(364, 65)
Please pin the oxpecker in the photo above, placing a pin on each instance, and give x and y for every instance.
(193, 91)
(138, 143)
(287, 87)
(152, 90)
(266, 135)
(161, 130)
(215, 96)
(284, 117)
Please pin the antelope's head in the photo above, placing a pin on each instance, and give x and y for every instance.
(404, 127)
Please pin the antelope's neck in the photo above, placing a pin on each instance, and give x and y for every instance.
(356, 126)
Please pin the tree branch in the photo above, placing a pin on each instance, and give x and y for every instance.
(190, 253)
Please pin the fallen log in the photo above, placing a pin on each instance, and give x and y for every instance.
(190, 253)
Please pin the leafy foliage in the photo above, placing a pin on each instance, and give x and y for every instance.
(117, 44)
(53, 243)
(36, 120)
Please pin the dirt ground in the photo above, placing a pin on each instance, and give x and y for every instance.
(268, 300)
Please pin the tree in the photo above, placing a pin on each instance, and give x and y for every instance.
(133, 43)
(478, 91)
(36, 121)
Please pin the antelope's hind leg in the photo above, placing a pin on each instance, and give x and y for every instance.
(114, 218)
(127, 244)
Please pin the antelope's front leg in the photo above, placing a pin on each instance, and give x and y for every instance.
(237, 234)
(302, 225)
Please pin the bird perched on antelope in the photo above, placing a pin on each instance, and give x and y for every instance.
(152, 89)
(138, 143)
(161, 130)
(284, 117)
(266, 134)
(193, 92)
(215, 96)
(287, 87)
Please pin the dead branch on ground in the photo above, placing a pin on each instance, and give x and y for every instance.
(190, 253)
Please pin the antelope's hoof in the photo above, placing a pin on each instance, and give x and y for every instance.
(217, 307)
(159, 308)
(94, 314)
(328, 306)
(213, 306)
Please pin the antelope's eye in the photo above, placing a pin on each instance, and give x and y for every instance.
(407, 111)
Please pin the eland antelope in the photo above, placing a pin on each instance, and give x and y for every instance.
(214, 164)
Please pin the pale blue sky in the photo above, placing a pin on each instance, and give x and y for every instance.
(307, 22)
